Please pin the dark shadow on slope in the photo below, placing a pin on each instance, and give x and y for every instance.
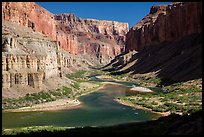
(113, 63)
(176, 61)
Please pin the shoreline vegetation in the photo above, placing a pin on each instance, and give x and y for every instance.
(60, 104)
(126, 103)
(181, 101)
(178, 98)
(64, 102)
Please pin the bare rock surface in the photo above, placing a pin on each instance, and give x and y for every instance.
(102, 40)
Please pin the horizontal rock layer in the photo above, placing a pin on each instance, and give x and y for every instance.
(104, 39)
(30, 58)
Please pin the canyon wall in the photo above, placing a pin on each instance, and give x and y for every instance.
(31, 15)
(165, 23)
(101, 40)
(30, 58)
(38, 46)
(27, 58)
(167, 43)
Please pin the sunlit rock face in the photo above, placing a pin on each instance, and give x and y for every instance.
(165, 23)
(30, 15)
(104, 39)
(99, 39)
(30, 58)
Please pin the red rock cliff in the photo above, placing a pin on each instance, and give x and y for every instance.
(30, 15)
(39, 19)
(102, 39)
(165, 23)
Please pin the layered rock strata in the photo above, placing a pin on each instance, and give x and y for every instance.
(31, 15)
(102, 40)
(165, 23)
(30, 58)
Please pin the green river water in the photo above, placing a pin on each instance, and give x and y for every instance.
(98, 109)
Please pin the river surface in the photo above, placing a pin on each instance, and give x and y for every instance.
(98, 109)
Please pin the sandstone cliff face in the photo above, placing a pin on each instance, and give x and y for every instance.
(165, 23)
(30, 59)
(27, 58)
(31, 15)
(104, 39)
(75, 35)
(76, 25)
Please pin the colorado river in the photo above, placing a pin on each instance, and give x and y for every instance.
(98, 109)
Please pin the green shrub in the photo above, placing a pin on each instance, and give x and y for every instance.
(177, 84)
(77, 74)
(66, 90)
(140, 103)
(75, 85)
(154, 103)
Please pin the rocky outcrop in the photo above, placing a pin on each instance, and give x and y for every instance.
(165, 23)
(22, 78)
(75, 35)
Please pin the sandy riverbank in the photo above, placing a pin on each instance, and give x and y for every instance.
(60, 104)
(105, 77)
(50, 106)
(141, 89)
(140, 107)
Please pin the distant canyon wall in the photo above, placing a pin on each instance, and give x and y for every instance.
(165, 23)
(100, 39)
